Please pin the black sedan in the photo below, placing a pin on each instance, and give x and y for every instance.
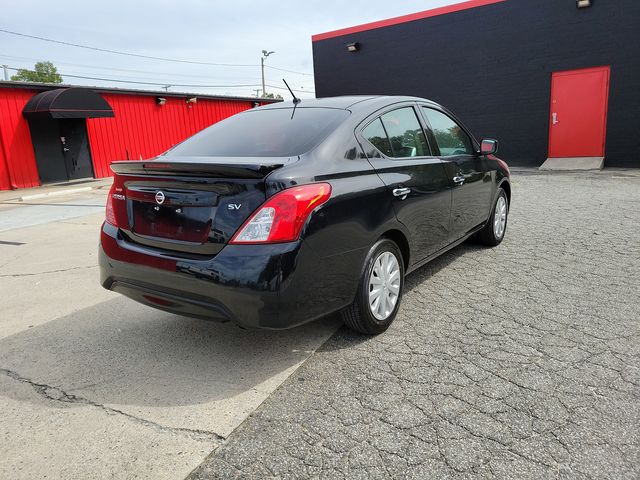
(285, 213)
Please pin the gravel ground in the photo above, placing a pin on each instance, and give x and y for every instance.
(515, 362)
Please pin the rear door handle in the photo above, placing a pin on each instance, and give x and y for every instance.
(458, 179)
(401, 192)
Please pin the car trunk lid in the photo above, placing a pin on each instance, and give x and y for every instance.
(188, 205)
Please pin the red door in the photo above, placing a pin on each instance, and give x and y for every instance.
(578, 113)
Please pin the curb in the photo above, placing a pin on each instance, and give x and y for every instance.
(17, 196)
(54, 193)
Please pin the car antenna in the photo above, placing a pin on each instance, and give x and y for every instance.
(295, 99)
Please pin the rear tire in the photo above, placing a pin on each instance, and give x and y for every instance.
(493, 232)
(379, 291)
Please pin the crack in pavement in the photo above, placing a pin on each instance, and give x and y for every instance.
(521, 361)
(17, 275)
(56, 394)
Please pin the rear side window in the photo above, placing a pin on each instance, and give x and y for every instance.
(451, 138)
(378, 137)
(278, 132)
(398, 134)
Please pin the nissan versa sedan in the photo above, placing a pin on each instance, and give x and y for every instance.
(288, 212)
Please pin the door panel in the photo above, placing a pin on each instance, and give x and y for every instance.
(472, 196)
(425, 209)
(75, 148)
(466, 171)
(577, 126)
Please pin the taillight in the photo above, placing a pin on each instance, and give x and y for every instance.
(281, 217)
(116, 205)
(110, 214)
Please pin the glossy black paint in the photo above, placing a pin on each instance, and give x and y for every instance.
(283, 285)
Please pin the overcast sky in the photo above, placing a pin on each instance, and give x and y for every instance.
(215, 31)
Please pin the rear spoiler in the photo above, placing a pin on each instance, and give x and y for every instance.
(226, 168)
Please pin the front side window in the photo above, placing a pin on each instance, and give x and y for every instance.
(450, 137)
(398, 134)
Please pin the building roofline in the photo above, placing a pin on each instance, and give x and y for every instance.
(130, 91)
(457, 7)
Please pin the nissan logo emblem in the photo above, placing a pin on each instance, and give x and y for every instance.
(159, 198)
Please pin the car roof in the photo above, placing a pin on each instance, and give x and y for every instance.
(348, 102)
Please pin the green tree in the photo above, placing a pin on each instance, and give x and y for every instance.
(43, 72)
(271, 95)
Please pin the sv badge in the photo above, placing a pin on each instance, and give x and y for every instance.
(234, 206)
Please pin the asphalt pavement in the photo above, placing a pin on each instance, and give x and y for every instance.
(521, 361)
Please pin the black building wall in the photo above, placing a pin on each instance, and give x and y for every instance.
(492, 66)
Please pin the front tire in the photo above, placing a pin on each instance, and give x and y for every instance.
(379, 292)
(493, 232)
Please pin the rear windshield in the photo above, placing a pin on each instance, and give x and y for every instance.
(264, 133)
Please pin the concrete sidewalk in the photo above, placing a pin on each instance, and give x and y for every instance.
(54, 190)
(94, 385)
(606, 172)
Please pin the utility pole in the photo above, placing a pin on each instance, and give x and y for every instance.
(6, 72)
(166, 88)
(265, 54)
(257, 90)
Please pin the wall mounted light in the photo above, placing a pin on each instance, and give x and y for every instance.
(583, 3)
(192, 100)
(161, 101)
(353, 47)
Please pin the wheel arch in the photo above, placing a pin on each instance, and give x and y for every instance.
(506, 186)
(400, 239)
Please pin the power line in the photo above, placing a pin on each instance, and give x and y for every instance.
(294, 89)
(289, 71)
(99, 67)
(152, 77)
(117, 52)
(189, 85)
(145, 83)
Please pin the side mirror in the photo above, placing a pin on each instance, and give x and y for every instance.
(488, 146)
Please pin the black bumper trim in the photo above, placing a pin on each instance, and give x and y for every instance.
(194, 307)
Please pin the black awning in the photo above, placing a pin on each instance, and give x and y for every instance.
(72, 102)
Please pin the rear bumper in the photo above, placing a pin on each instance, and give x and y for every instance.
(257, 286)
